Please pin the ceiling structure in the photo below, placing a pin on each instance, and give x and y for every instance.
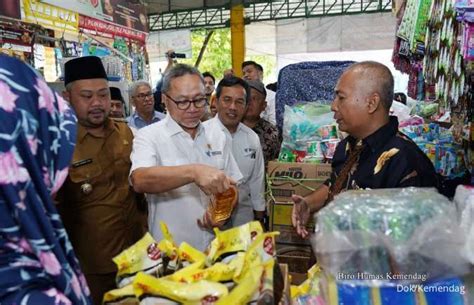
(181, 14)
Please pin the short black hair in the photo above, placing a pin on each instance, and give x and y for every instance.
(208, 74)
(251, 62)
(400, 97)
(232, 81)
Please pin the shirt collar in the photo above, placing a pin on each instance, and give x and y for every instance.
(82, 131)
(382, 135)
(156, 116)
(219, 122)
(174, 128)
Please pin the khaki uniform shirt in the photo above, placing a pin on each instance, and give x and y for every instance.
(110, 218)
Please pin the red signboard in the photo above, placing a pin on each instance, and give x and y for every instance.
(110, 28)
(10, 8)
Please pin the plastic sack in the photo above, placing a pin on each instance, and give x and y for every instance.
(401, 111)
(464, 200)
(301, 124)
(382, 236)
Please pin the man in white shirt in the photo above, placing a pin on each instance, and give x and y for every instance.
(178, 163)
(233, 94)
(254, 72)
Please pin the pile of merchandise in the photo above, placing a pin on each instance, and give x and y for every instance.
(390, 246)
(310, 134)
(238, 267)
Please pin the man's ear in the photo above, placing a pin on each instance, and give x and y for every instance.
(264, 105)
(66, 95)
(373, 102)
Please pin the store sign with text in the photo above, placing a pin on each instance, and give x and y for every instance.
(10, 8)
(51, 17)
(110, 29)
(15, 36)
(120, 12)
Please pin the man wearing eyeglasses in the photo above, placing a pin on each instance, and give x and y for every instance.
(233, 96)
(178, 162)
(144, 102)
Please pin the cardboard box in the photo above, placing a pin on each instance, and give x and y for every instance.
(286, 179)
(280, 220)
(298, 258)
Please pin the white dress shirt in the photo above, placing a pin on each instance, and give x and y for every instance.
(167, 144)
(269, 113)
(247, 151)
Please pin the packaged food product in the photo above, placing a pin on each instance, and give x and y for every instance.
(243, 292)
(232, 241)
(197, 293)
(121, 296)
(222, 204)
(144, 256)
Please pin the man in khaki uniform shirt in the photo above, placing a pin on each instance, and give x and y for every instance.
(101, 213)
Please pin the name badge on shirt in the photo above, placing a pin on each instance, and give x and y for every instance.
(250, 152)
(81, 163)
(210, 153)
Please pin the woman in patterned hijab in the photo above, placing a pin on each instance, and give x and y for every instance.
(37, 136)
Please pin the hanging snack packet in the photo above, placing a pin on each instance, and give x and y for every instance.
(202, 292)
(143, 256)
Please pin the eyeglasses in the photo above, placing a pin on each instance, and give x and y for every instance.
(143, 96)
(184, 105)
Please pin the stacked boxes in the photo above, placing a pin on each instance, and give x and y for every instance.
(284, 180)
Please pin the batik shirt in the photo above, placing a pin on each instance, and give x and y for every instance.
(269, 139)
(389, 159)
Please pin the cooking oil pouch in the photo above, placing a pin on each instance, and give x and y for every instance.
(264, 294)
(188, 254)
(169, 251)
(121, 296)
(143, 256)
(243, 292)
(219, 272)
(260, 251)
(202, 292)
(232, 241)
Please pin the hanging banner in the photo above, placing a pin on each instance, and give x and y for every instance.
(120, 12)
(158, 43)
(10, 8)
(50, 72)
(15, 36)
(51, 17)
(110, 30)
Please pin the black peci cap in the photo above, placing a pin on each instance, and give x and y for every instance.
(115, 94)
(87, 67)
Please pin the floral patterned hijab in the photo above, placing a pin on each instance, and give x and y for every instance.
(37, 136)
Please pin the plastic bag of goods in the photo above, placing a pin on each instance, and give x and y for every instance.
(385, 236)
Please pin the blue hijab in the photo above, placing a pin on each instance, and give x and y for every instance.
(37, 136)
